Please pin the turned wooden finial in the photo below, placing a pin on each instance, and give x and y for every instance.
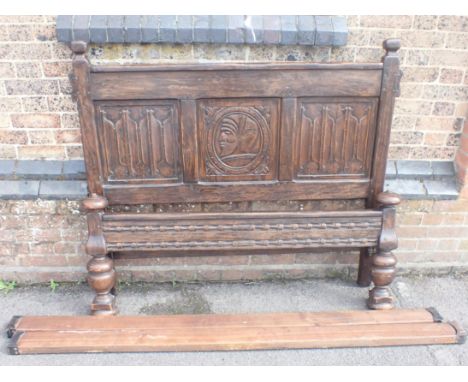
(78, 47)
(392, 45)
(388, 199)
(95, 202)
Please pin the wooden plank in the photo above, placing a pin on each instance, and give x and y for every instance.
(234, 83)
(232, 66)
(236, 338)
(189, 140)
(288, 124)
(288, 319)
(230, 192)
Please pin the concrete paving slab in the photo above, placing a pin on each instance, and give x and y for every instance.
(448, 295)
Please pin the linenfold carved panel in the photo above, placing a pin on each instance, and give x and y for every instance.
(139, 141)
(335, 138)
(238, 139)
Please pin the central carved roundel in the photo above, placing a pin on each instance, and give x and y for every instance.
(238, 140)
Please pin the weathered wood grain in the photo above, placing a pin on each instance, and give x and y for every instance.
(234, 83)
(230, 332)
(98, 323)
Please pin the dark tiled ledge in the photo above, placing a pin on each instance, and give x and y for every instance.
(219, 29)
(25, 179)
(419, 168)
(51, 179)
(422, 179)
(42, 170)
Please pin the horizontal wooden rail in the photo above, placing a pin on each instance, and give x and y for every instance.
(230, 332)
(232, 83)
(241, 231)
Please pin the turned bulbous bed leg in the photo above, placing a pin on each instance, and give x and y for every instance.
(102, 277)
(384, 261)
(101, 272)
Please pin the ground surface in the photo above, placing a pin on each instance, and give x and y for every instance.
(448, 295)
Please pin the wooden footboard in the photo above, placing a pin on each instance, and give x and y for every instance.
(246, 231)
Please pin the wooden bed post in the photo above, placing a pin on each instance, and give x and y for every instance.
(390, 89)
(383, 262)
(101, 273)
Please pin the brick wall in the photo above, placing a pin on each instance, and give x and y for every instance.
(38, 117)
(43, 239)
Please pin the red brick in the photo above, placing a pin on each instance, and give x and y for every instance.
(57, 68)
(450, 206)
(442, 231)
(74, 152)
(63, 247)
(10, 137)
(41, 137)
(36, 121)
(427, 244)
(31, 87)
(411, 232)
(448, 244)
(47, 221)
(348, 257)
(43, 261)
(288, 258)
(450, 76)
(386, 21)
(44, 235)
(242, 275)
(453, 219)
(6, 250)
(461, 159)
(41, 152)
(409, 219)
(78, 260)
(432, 219)
(315, 258)
(11, 221)
(8, 235)
(42, 248)
(43, 32)
(407, 244)
(68, 136)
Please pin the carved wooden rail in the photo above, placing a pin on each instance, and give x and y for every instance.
(237, 132)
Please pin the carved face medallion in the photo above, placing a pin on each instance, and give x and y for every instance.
(238, 140)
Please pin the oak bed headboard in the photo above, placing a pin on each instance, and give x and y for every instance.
(233, 132)
(226, 132)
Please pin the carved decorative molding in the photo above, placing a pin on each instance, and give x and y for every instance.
(335, 242)
(246, 227)
(335, 138)
(239, 139)
(139, 141)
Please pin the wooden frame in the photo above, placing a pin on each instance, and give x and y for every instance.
(237, 132)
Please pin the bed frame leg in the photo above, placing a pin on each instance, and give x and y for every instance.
(101, 272)
(384, 262)
(364, 278)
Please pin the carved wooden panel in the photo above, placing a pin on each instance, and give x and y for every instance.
(238, 139)
(334, 138)
(246, 231)
(139, 141)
